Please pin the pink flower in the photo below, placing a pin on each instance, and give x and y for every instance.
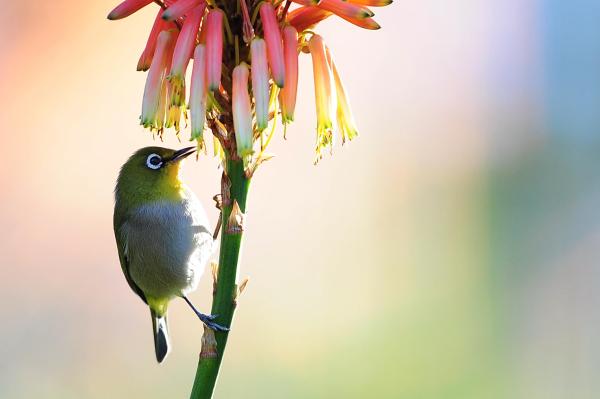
(183, 52)
(180, 8)
(274, 44)
(214, 48)
(287, 96)
(260, 82)
(242, 112)
(155, 82)
(198, 93)
(324, 96)
(127, 8)
(159, 25)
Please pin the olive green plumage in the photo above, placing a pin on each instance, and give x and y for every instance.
(162, 233)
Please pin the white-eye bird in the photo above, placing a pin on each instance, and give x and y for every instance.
(163, 235)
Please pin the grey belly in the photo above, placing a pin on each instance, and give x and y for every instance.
(168, 246)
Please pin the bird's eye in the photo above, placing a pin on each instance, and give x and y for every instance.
(154, 161)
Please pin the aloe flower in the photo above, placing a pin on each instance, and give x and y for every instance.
(270, 35)
(242, 112)
(345, 9)
(306, 17)
(274, 43)
(324, 95)
(180, 8)
(260, 82)
(345, 119)
(158, 26)
(214, 48)
(127, 8)
(198, 93)
(287, 95)
(183, 52)
(156, 80)
(372, 3)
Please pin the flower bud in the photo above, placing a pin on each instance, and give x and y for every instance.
(274, 43)
(214, 48)
(181, 8)
(287, 95)
(198, 93)
(127, 8)
(242, 113)
(260, 82)
(183, 52)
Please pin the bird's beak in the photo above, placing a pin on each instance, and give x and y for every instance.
(180, 154)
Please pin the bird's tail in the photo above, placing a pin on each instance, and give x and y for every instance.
(161, 335)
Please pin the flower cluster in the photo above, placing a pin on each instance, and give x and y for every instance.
(245, 68)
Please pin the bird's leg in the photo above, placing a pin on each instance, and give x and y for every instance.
(208, 320)
(219, 206)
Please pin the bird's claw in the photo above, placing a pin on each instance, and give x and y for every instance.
(208, 321)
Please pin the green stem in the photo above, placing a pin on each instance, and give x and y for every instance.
(226, 287)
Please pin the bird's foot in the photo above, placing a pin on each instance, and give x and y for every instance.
(208, 320)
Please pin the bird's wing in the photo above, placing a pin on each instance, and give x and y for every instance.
(121, 236)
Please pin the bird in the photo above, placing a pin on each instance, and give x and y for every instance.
(163, 236)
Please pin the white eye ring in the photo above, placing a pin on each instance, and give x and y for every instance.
(154, 161)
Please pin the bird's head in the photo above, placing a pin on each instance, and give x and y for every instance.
(151, 174)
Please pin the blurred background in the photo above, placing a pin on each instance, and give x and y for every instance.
(451, 251)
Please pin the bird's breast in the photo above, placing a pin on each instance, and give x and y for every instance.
(168, 245)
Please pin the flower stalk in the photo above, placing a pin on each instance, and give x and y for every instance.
(239, 87)
(234, 191)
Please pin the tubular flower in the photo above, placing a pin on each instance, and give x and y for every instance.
(159, 25)
(155, 81)
(324, 95)
(366, 23)
(272, 34)
(260, 82)
(345, 9)
(198, 93)
(214, 48)
(127, 8)
(345, 120)
(306, 17)
(287, 96)
(180, 8)
(274, 44)
(183, 53)
(372, 3)
(242, 112)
